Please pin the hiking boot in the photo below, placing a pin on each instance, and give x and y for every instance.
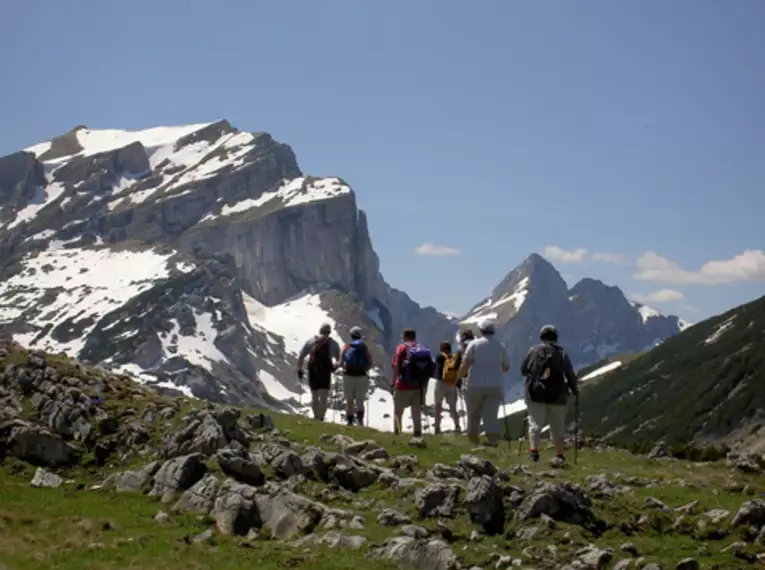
(534, 455)
(360, 418)
(349, 419)
(558, 461)
(437, 430)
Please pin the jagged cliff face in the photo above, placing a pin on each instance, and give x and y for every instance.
(594, 320)
(198, 258)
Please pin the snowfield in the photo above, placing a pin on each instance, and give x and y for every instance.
(488, 309)
(79, 285)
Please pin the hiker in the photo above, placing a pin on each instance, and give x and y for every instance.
(549, 378)
(324, 356)
(356, 362)
(446, 385)
(486, 360)
(412, 368)
(465, 337)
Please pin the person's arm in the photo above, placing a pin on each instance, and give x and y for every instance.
(334, 353)
(571, 379)
(467, 360)
(526, 364)
(304, 352)
(397, 354)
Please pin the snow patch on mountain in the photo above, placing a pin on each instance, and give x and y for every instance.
(62, 293)
(724, 326)
(488, 308)
(294, 192)
(294, 321)
(197, 348)
(95, 141)
(43, 198)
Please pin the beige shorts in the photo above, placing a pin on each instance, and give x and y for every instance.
(541, 415)
(482, 404)
(403, 399)
(445, 392)
(355, 388)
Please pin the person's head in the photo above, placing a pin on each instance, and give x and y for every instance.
(356, 333)
(446, 347)
(409, 335)
(486, 327)
(466, 335)
(325, 329)
(548, 334)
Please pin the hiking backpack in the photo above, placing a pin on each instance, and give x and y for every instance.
(547, 382)
(355, 359)
(416, 367)
(449, 375)
(320, 363)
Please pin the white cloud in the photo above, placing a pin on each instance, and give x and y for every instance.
(579, 255)
(661, 296)
(746, 266)
(434, 249)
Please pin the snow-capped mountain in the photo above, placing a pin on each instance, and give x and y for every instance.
(594, 320)
(200, 258)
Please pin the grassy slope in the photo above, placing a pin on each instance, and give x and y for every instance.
(684, 390)
(68, 528)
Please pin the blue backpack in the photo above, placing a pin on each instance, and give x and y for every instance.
(356, 361)
(417, 367)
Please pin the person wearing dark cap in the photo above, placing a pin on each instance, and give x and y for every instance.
(323, 355)
(549, 379)
(357, 362)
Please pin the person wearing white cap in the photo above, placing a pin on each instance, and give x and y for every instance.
(487, 361)
(321, 351)
(356, 361)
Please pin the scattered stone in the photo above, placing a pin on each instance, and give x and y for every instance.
(200, 497)
(41, 447)
(595, 558)
(418, 442)
(688, 564)
(563, 502)
(485, 503)
(437, 500)
(414, 531)
(205, 536)
(177, 475)
(660, 450)
(654, 503)
(235, 511)
(745, 461)
(240, 465)
(427, 554)
(44, 478)
(752, 513)
(477, 466)
(630, 548)
(391, 517)
(162, 517)
(442, 471)
(132, 481)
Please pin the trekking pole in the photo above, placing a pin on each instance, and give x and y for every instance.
(576, 427)
(507, 427)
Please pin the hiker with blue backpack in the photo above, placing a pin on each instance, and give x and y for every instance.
(413, 366)
(356, 361)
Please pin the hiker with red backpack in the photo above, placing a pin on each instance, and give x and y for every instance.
(413, 367)
(550, 377)
(323, 355)
(356, 361)
(446, 385)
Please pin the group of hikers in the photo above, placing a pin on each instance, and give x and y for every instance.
(475, 374)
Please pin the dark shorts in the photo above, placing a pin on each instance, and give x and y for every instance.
(319, 381)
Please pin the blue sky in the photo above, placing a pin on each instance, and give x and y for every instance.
(633, 129)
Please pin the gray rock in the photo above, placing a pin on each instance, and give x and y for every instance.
(132, 481)
(200, 497)
(177, 475)
(437, 500)
(594, 557)
(688, 564)
(564, 502)
(391, 517)
(751, 512)
(441, 471)
(335, 539)
(240, 465)
(39, 447)
(354, 477)
(484, 500)
(625, 564)
(235, 510)
(745, 461)
(654, 503)
(407, 552)
(287, 464)
(405, 463)
(414, 531)
(660, 450)
(44, 478)
(287, 514)
(477, 466)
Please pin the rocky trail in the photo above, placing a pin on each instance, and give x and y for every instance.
(98, 472)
